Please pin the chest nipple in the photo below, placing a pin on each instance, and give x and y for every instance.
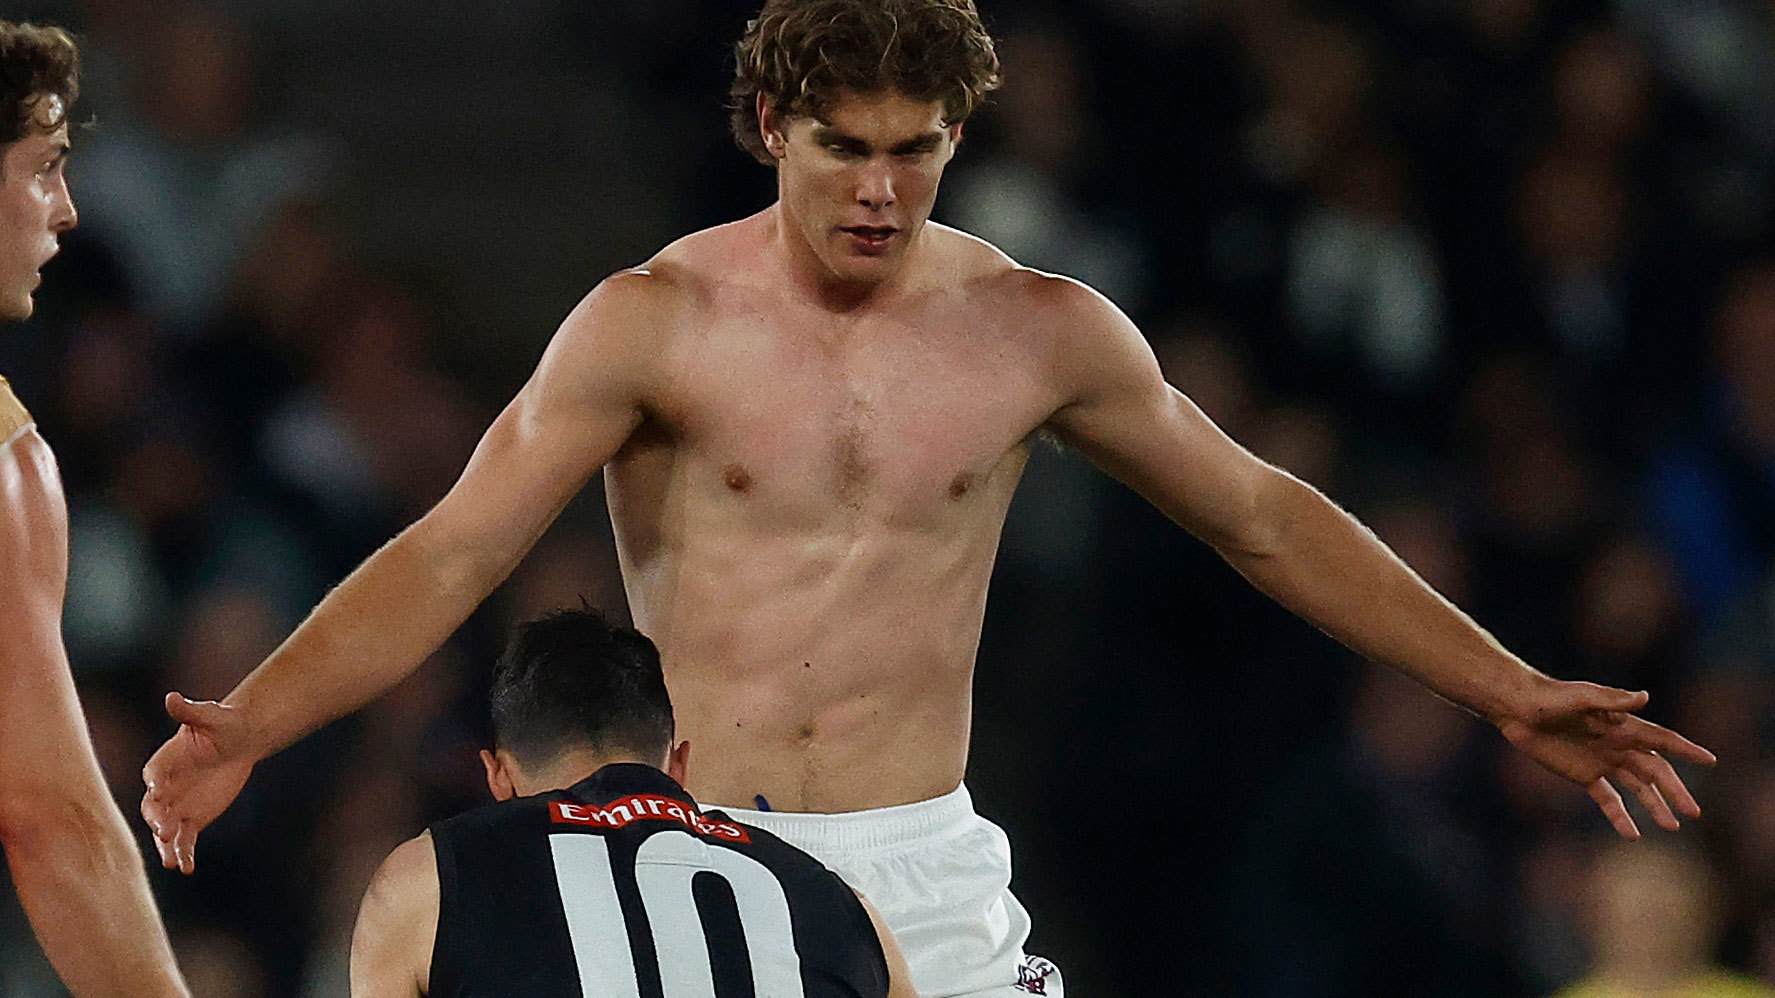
(736, 478)
(961, 485)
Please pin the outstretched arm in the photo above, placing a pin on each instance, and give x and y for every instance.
(585, 398)
(1312, 557)
(75, 867)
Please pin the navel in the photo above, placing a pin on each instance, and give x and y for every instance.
(736, 477)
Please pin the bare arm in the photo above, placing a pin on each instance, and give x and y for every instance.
(1318, 561)
(76, 869)
(899, 975)
(586, 397)
(397, 925)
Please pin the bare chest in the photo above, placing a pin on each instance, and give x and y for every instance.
(896, 418)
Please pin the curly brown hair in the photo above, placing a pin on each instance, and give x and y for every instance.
(801, 54)
(35, 62)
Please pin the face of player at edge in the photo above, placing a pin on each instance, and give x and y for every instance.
(858, 182)
(35, 208)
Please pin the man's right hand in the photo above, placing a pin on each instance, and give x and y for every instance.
(193, 778)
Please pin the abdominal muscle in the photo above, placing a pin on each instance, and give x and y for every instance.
(828, 671)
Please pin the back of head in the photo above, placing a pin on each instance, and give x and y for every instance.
(1654, 910)
(573, 680)
(35, 62)
(801, 55)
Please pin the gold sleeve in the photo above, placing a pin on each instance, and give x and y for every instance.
(13, 415)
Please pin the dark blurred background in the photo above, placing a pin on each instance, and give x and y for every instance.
(1498, 275)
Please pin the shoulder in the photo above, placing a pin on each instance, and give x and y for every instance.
(20, 444)
(409, 872)
(681, 276)
(494, 818)
(28, 474)
(1075, 333)
(609, 346)
(636, 302)
(404, 891)
(13, 415)
(990, 275)
(694, 268)
(1062, 306)
(710, 252)
(33, 512)
(397, 924)
(643, 305)
(844, 933)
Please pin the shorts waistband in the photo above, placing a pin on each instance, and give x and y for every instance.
(898, 825)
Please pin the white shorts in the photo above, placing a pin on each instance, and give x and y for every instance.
(941, 877)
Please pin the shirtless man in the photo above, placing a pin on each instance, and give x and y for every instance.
(812, 421)
(75, 866)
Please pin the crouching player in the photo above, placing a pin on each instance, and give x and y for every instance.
(596, 873)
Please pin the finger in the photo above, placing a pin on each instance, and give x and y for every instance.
(1646, 736)
(168, 861)
(1613, 808)
(194, 713)
(151, 813)
(1649, 796)
(1590, 696)
(185, 848)
(1612, 726)
(1656, 770)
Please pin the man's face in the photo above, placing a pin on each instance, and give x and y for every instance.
(35, 207)
(858, 181)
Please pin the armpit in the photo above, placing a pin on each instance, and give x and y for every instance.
(13, 415)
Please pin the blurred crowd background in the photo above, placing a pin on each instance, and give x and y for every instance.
(1498, 275)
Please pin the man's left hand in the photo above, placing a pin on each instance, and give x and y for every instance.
(1590, 734)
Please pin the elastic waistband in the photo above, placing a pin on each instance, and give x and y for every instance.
(899, 825)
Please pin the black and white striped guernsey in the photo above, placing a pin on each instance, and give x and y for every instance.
(620, 887)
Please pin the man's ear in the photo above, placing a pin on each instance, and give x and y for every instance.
(770, 129)
(498, 780)
(678, 762)
(955, 133)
